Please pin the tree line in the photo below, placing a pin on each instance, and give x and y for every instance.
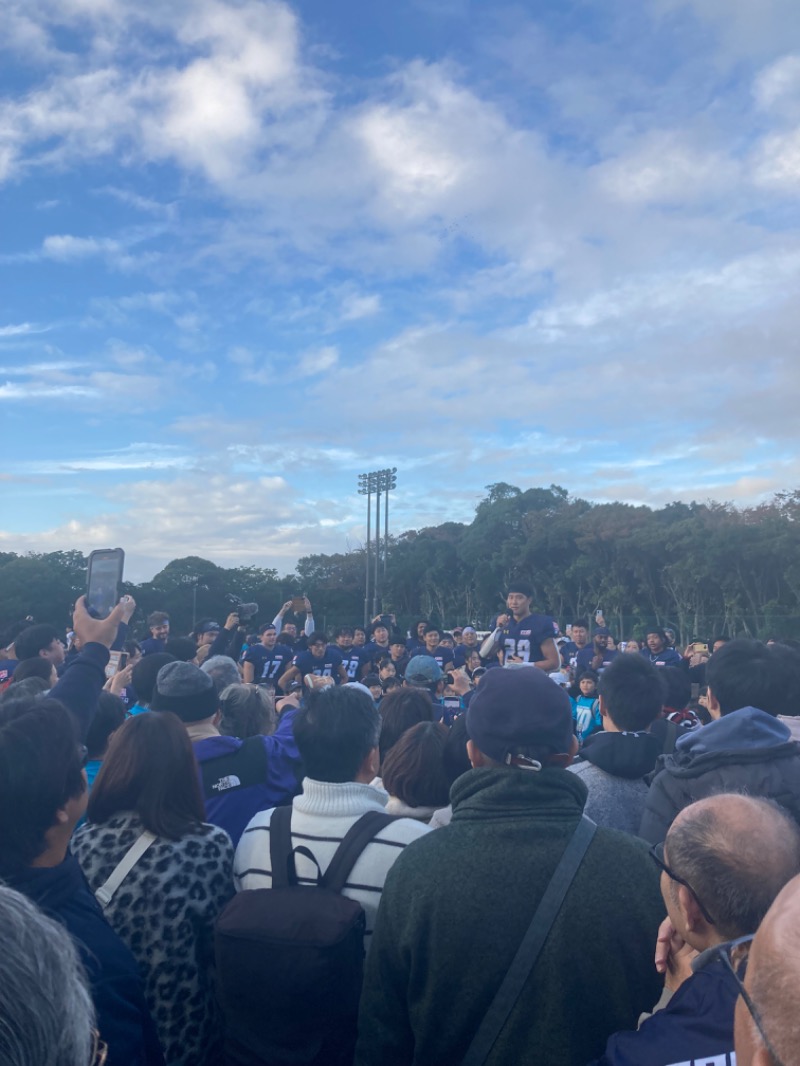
(703, 568)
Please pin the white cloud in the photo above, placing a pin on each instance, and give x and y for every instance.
(21, 329)
(665, 167)
(778, 85)
(33, 391)
(355, 307)
(777, 162)
(233, 521)
(317, 362)
(65, 248)
(36, 369)
(137, 456)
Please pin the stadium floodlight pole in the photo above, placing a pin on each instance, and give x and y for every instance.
(376, 596)
(390, 482)
(365, 489)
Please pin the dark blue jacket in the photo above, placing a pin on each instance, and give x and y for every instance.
(122, 1015)
(745, 751)
(695, 1026)
(239, 778)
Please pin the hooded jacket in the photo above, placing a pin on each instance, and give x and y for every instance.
(239, 778)
(613, 767)
(745, 751)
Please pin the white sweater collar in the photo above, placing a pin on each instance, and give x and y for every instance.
(339, 798)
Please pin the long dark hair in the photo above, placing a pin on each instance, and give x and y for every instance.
(150, 769)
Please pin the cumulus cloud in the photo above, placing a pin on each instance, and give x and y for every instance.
(231, 521)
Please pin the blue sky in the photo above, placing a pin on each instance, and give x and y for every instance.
(251, 249)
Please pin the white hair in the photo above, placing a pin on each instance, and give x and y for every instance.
(222, 670)
(46, 1012)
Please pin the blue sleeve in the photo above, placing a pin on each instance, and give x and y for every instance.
(81, 684)
(121, 637)
(301, 662)
(284, 769)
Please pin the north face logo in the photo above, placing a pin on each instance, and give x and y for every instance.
(225, 783)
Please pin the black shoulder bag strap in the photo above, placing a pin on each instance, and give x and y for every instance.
(344, 859)
(531, 946)
(280, 845)
(355, 840)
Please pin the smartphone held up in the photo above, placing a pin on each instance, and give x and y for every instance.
(103, 581)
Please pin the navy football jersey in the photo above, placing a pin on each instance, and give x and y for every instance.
(583, 660)
(524, 639)
(327, 666)
(352, 660)
(268, 666)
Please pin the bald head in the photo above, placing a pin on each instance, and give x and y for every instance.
(737, 853)
(772, 979)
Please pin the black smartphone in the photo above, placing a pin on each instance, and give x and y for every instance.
(103, 581)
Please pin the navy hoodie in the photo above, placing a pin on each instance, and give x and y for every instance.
(745, 751)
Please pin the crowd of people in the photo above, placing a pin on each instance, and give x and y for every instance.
(256, 846)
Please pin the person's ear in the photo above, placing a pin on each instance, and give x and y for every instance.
(690, 911)
(217, 717)
(603, 707)
(713, 704)
(476, 756)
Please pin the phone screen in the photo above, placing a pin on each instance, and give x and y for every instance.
(105, 574)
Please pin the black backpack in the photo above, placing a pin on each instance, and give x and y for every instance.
(290, 958)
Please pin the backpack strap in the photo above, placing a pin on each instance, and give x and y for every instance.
(531, 946)
(355, 840)
(280, 846)
(105, 893)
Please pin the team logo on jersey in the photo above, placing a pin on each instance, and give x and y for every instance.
(524, 632)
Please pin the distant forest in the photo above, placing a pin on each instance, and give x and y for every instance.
(703, 568)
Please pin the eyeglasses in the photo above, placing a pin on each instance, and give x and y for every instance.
(99, 1050)
(657, 855)
(727, 952)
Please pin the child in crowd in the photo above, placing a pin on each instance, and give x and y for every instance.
(586, 706)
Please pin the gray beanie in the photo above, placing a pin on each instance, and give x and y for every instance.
(184, 689)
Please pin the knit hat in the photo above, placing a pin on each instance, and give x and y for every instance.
(187, 691)
(517, 711)
(423, 670)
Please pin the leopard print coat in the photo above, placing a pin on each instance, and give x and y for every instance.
(165, 911)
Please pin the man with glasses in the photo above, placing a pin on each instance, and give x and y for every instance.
(723, 863)
(767, 1020)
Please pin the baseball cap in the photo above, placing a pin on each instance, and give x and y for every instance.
(207, 627)
(423, 670)
(601, 631)
(514, 712)
(468, 629)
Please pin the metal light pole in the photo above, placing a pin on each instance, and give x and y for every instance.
(377, 481)
(366, 484)
(390, 482)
